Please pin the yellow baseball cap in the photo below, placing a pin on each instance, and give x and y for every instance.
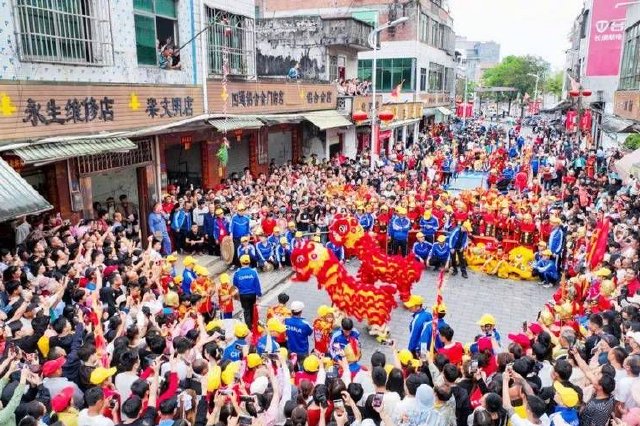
(414, 300)
(244, 239)
(224, 278)
(283, 240)
(298, 234)
(311, 364)
(401, 210)
(442, 238)
(487, 319)
(201, 270)
(324, 310)
(172, 258)
(419, 235)
(189, 261)
(276, 229)
(441, 308)
(241, 330)
(240, 206)
(245, 259)
(253, 360)
(213, 324)
(275, 325)
(172, 299)
(100, 374)
(177, 279)
(568, 397)
(219, 211)
(405, 356)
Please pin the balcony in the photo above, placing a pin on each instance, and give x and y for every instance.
(346, 32)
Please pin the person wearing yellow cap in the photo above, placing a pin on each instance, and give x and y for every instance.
(188, 274)
(440, 311)
(234, 351)
(568, 403)
(557, 241)
(487, 323)
(265, 251)
(239, 227)
(215, 228)
(226, 294)
(275, 236)
(546, 269)
(440, 254)
(458, 241)
(291, 232)
(310, 367)
(322, 328)
(365, 219)
(298, 240)
(421, 249)
(268, 343)
(419, 318)
(283, 253)
(247, 249)
(399, 228)
(429, 225)
(247, 281)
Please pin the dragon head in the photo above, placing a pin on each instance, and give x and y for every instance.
(308, 260)
(345, 231)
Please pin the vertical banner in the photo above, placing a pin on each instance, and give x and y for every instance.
(605, 40)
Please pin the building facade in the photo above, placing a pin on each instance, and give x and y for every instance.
(477, 56)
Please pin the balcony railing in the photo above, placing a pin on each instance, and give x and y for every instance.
(346, 31)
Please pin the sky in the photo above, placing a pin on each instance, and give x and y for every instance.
(521, 27)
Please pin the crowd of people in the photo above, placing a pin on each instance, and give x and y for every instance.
(102, 327)
(353, 87)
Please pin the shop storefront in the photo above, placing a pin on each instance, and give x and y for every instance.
(436, 108)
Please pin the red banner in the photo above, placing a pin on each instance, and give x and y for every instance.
(570, 123)
(605, 38)
(586, 120)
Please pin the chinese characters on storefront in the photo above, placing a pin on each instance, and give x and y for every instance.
(169, 107)
(248, 98)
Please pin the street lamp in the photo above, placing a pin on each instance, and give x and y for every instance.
(373, 42)
(535, 93)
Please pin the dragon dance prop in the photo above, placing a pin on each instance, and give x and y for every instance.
(376, 265)
(363, 301)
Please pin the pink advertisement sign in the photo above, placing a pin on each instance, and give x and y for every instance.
(607, 34)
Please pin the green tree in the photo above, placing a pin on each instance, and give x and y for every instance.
(514, 71)
(554, 84)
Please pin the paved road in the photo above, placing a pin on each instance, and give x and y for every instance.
(511, 302)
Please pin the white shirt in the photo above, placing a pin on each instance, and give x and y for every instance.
(84, 419)
(518, 421)
(123, 383)
(622, 392)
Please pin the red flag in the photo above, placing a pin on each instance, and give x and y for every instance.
(598, 243)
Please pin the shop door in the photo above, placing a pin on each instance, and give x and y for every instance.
(336, 148)
(184, 166)
(280, 147)
(238, 156)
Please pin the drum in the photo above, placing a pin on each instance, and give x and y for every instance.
(267, 267)
(227, 249)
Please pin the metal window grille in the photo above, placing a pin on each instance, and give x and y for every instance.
(236, 35)
(333, 68)
(64, 31)
(115, 160)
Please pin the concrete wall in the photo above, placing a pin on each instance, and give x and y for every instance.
(114, 184)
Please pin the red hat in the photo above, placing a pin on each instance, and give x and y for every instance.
(109, 270)
(50, 367)
(484, 344)
(61, 401)
(535, 328)
(520, 339)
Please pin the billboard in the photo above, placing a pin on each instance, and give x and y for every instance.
(606, 37)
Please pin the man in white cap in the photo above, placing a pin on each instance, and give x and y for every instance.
(298, 331)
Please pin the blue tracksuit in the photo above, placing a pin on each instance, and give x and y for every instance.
(282, 253)
(290, 235)
(399, 228)
(415, 328)
(188, 276)
(239, 226)
(508, 173)
(181, 221)
(339, 341)
(232, 353)
(267, 345)
(366, 221)
(440, 252)
(338, 250)
(421, 249)
(547, 270)
(274, 239)
(458, 239)
(248, 249)
(427, 329)
(556, 240)
(247, 281)
(218, 227)
(264, 250)
(298, 332)
(429, 227)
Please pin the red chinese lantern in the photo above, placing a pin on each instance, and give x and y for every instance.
(359, 116)
(586, 120)
(586, 92)
(238, 133)
(574, 93)
(385, 115)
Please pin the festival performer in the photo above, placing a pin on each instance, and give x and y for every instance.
(226, 294)
(527, 229)
(239, 228)
(458, 241)
(399, 231)
(427, 330)
(365, 219)
(337, 249)
(323, 327)
(429, 226)
(421, 249)
(419, 318)
(557, 241)
(283, 253)
(546, 269)
(281, 312)
(265, 252)
(381, 227)
(247, 281)
(440, 254)
(248, 249)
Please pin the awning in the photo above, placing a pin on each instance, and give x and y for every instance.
(55, 151)
(235, 123)
(560, 106)
(17, 197)
(613, 124)
(327, 119)
(444, 111)
(271, 119)
(428, 112)
(402, 123)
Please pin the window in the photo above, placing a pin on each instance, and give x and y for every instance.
(233, 36)
(435, 27)
(156, 21)
(436, 77)
(424, 27)
(423, 79)
(448, 80)
(390, 73)
(368, 16)
(64, 31)
(333, 68)
(630, 69)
